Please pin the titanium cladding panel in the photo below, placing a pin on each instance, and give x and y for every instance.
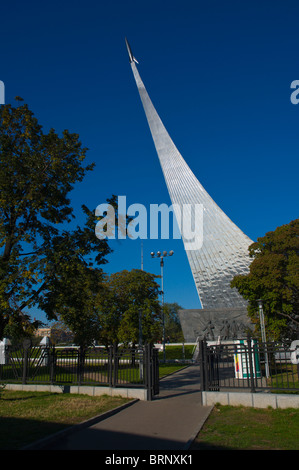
(224, 250)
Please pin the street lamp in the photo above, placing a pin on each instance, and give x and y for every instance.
(162, 256)
(263, 333)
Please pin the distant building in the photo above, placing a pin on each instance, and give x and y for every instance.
(43, 332)
(57, 335)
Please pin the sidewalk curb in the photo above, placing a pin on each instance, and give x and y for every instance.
(200, 426)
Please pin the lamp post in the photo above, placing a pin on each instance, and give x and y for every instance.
(263, 333)
(140, 346)
(262, 320)
(162, 256)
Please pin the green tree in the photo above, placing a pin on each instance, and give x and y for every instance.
(23, 328)
(173, 329)
(129, 296)
(72, 293)
(274, 278)
(42, 263)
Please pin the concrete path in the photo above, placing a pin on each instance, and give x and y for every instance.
(170, 422)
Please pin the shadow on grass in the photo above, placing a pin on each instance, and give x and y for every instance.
(24, 398)
(16, 433)
(206, 446)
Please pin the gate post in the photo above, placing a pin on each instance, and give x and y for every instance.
(156, 385)
(202, 365)
(151, 376)
(149, 366)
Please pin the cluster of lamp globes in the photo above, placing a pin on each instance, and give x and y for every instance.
(160, 255)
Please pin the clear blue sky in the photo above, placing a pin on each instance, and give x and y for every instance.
(219, 75)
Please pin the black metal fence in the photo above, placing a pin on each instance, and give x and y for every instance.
(248, 364)
(98, 366)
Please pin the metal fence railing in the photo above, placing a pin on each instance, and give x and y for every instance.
(98, 366)
(248, 364)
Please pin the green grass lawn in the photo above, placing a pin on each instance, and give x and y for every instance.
(176, 352)
(173, 355)
(166, 369)
(242, 428)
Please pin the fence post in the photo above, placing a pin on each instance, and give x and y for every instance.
(52, 359)
(25, 360)
(250, 354)
(149, 369)
(26, 346)
(115, 363)
(80, 364)
(110, 357)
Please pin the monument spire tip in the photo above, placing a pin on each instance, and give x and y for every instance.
(132, 58)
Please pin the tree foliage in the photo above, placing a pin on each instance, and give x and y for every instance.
(173, 329)
(127, 297)
(274, 278)
(42, 263)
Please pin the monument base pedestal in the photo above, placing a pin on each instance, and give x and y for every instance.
(214, 324)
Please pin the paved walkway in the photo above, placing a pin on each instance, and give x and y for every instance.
(170, 422)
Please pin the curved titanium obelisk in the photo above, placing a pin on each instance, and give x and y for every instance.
(224, 250)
